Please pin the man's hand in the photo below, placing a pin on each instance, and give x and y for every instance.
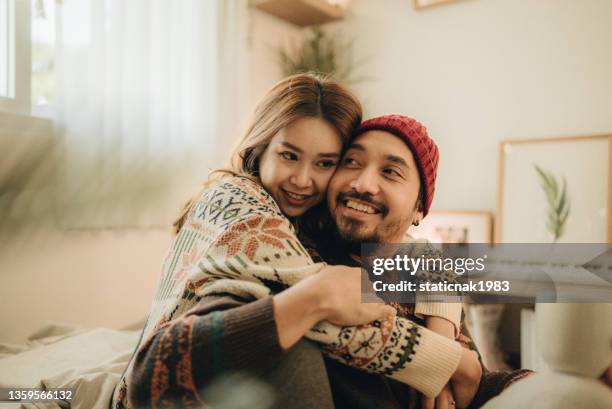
(466, 379)
(445, 400)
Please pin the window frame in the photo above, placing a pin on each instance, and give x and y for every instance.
(19, 48)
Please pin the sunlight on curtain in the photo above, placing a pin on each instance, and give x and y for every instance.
(149, 96)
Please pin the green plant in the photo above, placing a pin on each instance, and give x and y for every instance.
(319, 53)
(558, 202)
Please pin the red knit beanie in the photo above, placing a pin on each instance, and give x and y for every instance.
(423, 148)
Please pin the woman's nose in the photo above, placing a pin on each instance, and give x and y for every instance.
(301, 178)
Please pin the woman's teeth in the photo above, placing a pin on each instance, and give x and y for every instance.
(360, 207)
(296, 196)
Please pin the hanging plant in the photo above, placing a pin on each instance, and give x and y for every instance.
(319, 53)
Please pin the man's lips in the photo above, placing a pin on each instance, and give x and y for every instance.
(360, 206)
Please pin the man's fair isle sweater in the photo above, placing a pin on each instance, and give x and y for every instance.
(213, 309)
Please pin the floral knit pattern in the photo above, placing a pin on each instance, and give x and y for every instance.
(237, 242)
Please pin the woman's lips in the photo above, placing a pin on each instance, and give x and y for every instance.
(295, 199)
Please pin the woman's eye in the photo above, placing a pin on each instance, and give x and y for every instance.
(326, 164)
(288, 155)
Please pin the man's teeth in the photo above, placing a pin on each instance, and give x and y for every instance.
(296, 196)
(360, 207)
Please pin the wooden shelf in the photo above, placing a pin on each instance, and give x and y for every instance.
(301, 12)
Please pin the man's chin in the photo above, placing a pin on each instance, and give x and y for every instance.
(352, 231)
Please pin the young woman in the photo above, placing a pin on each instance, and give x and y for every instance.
(238, 289)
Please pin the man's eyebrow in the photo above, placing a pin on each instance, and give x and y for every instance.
(391, 158)
(398, 160)
(356, 146)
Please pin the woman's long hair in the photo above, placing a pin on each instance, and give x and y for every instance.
(297, 96)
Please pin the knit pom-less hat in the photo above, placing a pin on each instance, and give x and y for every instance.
(423, 148)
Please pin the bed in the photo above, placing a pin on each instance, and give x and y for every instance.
(88, 361)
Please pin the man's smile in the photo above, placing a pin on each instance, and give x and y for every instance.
(360, 206)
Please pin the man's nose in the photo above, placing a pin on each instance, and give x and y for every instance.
(301, 178)
(367, 182)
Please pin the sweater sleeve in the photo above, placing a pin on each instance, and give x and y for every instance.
(446, 310)
(398, 348)
(217, 336)
(436, 305)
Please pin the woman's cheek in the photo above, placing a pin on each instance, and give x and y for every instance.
(325, 179)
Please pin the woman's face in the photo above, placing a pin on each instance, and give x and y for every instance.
(298, 163)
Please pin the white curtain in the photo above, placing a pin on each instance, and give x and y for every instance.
(150, 93)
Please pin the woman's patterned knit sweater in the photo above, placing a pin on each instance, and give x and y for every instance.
(213, 309)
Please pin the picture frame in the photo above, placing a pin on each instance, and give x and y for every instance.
(455, 226)
(523, 208)
(424, 4)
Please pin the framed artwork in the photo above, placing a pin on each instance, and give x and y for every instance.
(422, 4)
(455, 226)
(555, 190)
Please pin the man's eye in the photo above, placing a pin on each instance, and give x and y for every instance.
(391, 172)
(349, 162)
(288, 155)
(326, 164)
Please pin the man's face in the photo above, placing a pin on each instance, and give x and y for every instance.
(373, 194)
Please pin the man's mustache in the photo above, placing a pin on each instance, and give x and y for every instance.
(363, 197)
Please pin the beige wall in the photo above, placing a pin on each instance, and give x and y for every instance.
(266, 35)
(474, 72)
(105, 277)
(479, 71)
(92, 278)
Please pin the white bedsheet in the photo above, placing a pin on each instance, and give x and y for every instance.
(90, 361)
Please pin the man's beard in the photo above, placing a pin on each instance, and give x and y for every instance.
(354, 232)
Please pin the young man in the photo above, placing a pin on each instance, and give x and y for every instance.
(384, 184)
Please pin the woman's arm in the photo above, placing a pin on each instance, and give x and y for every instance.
(219, 335)
(333, 295)
(223, 334)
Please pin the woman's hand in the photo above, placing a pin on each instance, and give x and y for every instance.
(445, 400)
(334, 294)
(340, 289)
(466, 379)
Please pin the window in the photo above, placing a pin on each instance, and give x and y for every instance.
(7, 49)
(43, 57)
(27, 54)
(15, 56)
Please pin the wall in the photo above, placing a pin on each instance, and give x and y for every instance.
(266, 35)
(480, 71)
(94, 277)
